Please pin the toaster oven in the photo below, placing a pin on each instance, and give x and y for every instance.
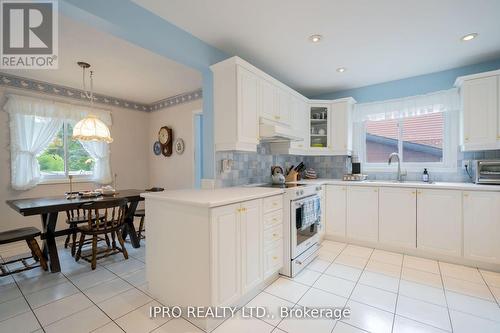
(487, 172)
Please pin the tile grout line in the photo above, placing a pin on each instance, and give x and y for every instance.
(26, 300)
(397, 294)
(488, 286)
(445, 297)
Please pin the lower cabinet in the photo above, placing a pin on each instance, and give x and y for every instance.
(482, 226)
(439, 221)
(247, 247)
(251, 244)
(362, 213)
(335, 210)
(226, 248)
(398, 217)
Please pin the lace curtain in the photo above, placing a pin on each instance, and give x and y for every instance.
(33, 125)
(441, 101)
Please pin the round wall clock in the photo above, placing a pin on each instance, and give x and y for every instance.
(179, 146)
(165, 138)
(157, 148)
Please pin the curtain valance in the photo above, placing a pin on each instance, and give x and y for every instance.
(441, 101)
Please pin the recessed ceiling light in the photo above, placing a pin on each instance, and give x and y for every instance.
(315, 38)
(341, 69)
(469, 37)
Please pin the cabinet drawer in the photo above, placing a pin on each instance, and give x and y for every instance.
(273, 259)
(273, 203)
(273, 218)
(273, 234)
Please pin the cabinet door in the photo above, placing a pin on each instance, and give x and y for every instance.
(283, 98)
(482, 226)
(251, 244)
(226, 263)
(320, 127)
(480, 112)
(439, 221)
(248, 105)
(362, 213)
(268, 103)
(335, 209)
(398, 217)
(341, 127)
(299, 121)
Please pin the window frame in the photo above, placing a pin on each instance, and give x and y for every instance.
(64, 178)
(450, 150)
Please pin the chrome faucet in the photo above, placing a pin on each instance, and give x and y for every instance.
(400, 174)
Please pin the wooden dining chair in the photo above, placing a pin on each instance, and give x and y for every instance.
(104, 218)
(27, 234)
(74, 217)
(141, 213)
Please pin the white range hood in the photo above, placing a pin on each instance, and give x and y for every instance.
(271, 132)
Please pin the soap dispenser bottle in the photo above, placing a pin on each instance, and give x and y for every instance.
(425, 176)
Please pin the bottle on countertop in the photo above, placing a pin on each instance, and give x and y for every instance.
(425, 176)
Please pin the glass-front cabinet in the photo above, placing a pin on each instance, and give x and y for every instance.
(319, 126)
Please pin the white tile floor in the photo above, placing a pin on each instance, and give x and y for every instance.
(386, 292)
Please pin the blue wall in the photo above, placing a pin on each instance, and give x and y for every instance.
(133, 23)
(416, 85)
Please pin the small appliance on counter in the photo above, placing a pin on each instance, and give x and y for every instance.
(354, 170)
(486, 172)
(277, 175)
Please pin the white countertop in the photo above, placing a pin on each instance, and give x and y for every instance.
(213, 198)
(411, 184)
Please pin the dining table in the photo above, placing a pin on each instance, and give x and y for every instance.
(49, 207)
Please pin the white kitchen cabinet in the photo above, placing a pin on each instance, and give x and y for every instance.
(226, 254)
(283, 99)
(341, 126)
(362, 213)
(335, 210)
(319, 128)
(251, 244)
(398, 217)
(439, 221)
(268, 103)
(481, 212)
(300, 123)
(236, 107)
(480, 119)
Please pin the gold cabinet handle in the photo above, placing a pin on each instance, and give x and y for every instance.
(466, 194)
(275, 235)
(274, 257)
(419, 192)
(275, 219)
(413, 192)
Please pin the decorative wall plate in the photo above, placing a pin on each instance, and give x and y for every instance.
(157, 148)
(179, 146)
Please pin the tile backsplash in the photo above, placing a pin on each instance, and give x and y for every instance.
(254, 168)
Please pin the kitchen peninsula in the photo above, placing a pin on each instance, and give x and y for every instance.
(213, 247)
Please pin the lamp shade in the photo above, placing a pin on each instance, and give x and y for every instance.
(91, 129)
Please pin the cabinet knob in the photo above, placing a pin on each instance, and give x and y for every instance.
(466, 139)
(466, 194)
(413, 192)
(274, 257)
(275, 219)
(275, 235)
(419, 192)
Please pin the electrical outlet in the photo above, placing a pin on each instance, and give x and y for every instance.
(226, 166)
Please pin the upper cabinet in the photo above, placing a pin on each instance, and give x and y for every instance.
(480, 111)
(245, 97)
(236, 107)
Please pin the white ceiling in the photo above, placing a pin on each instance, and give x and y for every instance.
(376, 41)
(121, 69)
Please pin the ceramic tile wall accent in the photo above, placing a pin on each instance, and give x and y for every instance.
(459, 176)
(255, 168)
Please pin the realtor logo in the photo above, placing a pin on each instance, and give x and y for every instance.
(29, 34)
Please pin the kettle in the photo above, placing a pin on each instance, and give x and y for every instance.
(277, 175)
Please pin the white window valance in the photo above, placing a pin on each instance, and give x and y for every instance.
(33, 125)
(441, 101)
(51, 109)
